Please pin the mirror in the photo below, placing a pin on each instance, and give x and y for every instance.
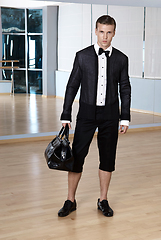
(135, 36)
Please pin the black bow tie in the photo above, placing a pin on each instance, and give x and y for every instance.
(102, 51)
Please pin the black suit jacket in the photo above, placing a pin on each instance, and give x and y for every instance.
(85, 74)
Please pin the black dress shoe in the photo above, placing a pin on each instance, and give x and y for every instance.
(105, 208)
(68, 207)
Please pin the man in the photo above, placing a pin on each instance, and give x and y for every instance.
(99, 70)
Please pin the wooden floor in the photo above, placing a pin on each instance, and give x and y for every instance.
(27, 114)
(31, 194)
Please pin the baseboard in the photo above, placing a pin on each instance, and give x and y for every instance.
(48, 96)
(144, 129)
(5, 94)
(145, 111)
(50, 135)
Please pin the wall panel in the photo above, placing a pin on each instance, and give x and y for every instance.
(129, 35)
(153, 43)
(74, 32)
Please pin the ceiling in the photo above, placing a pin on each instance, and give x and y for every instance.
(41, 3)
(138, 3)
(27, 3)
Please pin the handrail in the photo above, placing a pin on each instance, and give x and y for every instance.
(9, 61)
(10, 67)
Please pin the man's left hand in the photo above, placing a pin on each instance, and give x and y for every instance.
(123, 129)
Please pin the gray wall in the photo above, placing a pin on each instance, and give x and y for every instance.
(49, 49)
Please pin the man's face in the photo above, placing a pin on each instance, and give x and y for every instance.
(104, 33)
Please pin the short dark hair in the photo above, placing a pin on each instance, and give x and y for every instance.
(106, 19)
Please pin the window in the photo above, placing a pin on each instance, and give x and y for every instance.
(24, 43)
(35, 82)
(13, 48)
(13, 20)
(35, 52)
(34, 21)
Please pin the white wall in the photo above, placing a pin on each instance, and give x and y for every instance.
(129, 35)
(61, 82)
(74, 32)
(153, 43)
(5, 87)
(77, 30)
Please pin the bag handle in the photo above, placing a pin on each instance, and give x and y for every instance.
(67, 131)
(64, 131)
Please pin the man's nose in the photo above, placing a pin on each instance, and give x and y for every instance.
(105, 36)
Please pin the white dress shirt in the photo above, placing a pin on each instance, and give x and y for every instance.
(102, 76)
(102, 81)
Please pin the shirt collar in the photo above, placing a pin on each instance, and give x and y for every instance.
(96, 47)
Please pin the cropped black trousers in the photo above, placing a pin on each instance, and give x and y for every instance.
(106, 139)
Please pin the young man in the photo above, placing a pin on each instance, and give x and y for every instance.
(99, 70)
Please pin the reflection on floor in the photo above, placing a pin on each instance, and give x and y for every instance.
(27, 114)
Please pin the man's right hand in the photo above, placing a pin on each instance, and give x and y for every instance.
(69, 125)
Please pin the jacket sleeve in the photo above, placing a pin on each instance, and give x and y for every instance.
(125, 91)
(71, 90)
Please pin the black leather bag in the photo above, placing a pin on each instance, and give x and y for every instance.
(58, 153)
